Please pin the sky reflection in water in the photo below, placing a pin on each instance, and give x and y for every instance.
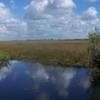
(26, 81)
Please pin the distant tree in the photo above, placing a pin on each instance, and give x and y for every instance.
(94, 37)
(94, 48)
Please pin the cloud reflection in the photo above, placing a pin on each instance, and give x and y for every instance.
(37, 72)
(4, 72)
(38, 78)
(60, 78)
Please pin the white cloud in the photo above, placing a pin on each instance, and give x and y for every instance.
(37, 6)
(10, 25)
(4, 12)
(90, 13)
(46, 19)
(58, 20)
(91, 19)
(64, 3)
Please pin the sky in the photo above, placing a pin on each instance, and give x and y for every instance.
(48, 19)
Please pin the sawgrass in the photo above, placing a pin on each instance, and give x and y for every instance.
(63, 53)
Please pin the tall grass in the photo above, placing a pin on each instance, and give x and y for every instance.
(63, 53)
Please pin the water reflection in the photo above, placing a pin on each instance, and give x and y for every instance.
(28, 81)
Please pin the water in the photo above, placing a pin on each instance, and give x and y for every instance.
(26, 81)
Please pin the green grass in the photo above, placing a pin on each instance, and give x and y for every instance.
(4, 58)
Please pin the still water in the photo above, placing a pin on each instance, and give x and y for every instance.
(26, 81)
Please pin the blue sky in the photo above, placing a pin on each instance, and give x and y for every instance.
(48, 19)
(83, 5)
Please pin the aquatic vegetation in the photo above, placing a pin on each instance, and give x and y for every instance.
(4, 58)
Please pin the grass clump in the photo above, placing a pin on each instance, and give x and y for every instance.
(4, 58)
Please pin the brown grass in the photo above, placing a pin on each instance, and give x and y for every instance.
(65, 53)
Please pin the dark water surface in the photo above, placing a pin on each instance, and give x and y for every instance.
(26, 81)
